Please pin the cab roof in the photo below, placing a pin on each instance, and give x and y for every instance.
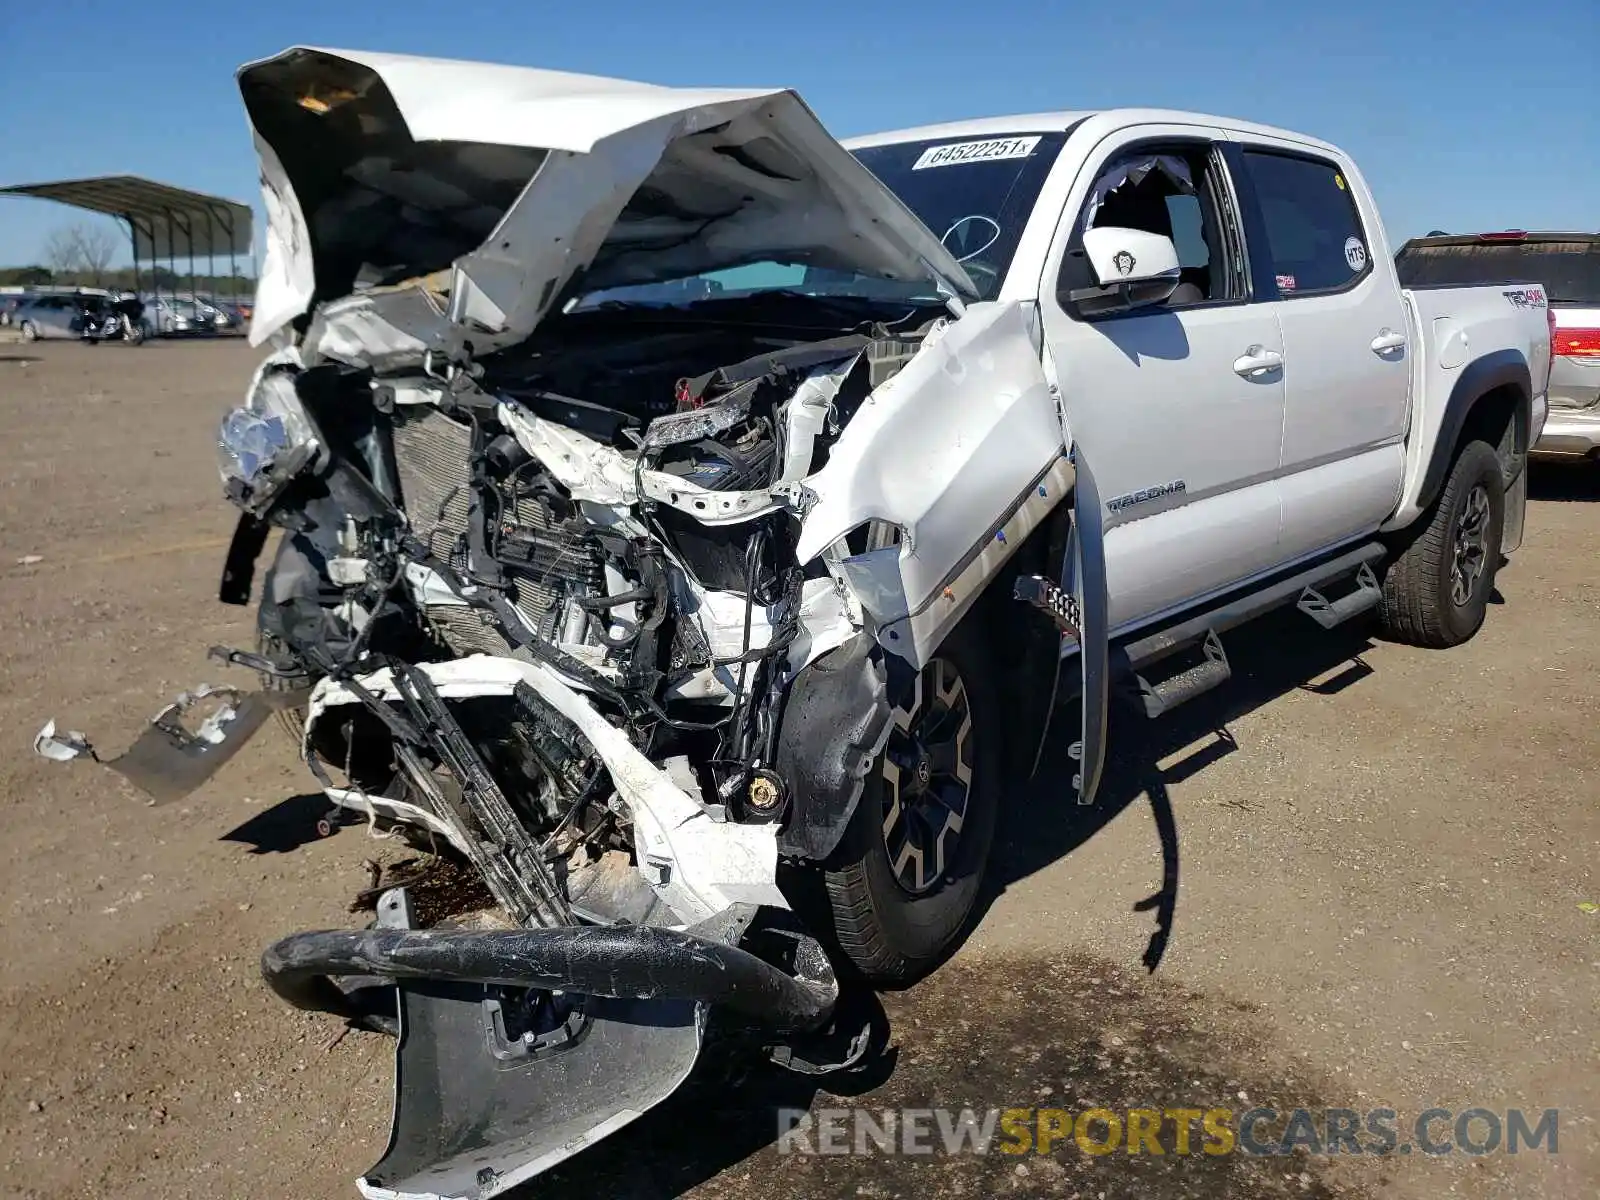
(1059, 122)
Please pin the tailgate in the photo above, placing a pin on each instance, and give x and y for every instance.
(1575, 369)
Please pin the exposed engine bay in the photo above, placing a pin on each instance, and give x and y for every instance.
(634, 546)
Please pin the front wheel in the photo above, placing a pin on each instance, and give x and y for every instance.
(30, 332)
(291, 720)
(1436, 591)
(908, 870)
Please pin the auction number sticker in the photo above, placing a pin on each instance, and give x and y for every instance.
(991, 150)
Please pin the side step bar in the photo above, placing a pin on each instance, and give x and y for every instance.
(1304, 589)
(1329, 613)
(1212, 672)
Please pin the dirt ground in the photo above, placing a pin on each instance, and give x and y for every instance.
(1369, 863)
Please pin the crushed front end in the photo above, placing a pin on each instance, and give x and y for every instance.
(538, 578)
(551, 639)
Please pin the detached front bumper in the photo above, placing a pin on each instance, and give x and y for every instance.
(636, 962)
(519, 1048)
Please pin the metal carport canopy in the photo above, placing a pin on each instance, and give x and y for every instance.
(166, 221)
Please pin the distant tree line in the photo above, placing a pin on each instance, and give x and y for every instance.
(80, 256)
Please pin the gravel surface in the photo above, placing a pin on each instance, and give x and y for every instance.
(1374, 861)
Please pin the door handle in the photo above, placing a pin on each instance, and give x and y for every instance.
(1388, 340)
(1257, 361)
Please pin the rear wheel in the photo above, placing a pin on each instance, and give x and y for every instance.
(1436, 591)
(907, 872)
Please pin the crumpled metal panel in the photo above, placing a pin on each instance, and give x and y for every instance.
(469, 1125)
(729, 177)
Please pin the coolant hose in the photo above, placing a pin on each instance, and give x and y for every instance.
(625, 962)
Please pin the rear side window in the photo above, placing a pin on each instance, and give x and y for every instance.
(1570, 271)
(1313, 230)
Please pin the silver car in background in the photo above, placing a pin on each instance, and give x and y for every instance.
(169, 317)
(50, 316)
(1568, 265)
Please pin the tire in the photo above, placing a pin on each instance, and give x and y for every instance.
(1436, 591)
(893, 931)
(30, 332)
(292, 721)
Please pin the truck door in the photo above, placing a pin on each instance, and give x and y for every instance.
(1178, 405)
(1347, 365)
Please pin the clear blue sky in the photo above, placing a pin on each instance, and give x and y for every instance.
(1464, 114)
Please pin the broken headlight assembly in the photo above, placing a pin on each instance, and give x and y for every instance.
(267, 443)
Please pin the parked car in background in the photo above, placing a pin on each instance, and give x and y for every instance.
(1568, 265)
(230, 318)
(166, 316)
(40, 317)
(84, 316)
(218, 316)
(8, 305)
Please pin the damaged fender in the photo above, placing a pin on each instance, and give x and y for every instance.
(835, 725)
(966, 430)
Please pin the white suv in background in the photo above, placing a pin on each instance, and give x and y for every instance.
(1568, 264)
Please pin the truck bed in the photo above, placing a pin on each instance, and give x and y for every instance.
(1460, 330)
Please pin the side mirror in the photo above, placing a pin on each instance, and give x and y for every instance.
(1131, 268)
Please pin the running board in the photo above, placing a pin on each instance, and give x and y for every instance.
(1329, 613)
(1212, 672)
(1132, 658)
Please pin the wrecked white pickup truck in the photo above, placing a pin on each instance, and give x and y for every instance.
(687, 518)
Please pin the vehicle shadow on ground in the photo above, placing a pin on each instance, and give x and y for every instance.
(1067, 1030)
(1064, 1031)
(1564, 481)
(1042, 821)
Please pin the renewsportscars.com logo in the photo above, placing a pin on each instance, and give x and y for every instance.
(1261, 1131)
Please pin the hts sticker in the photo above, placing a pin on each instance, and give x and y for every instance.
(991, 150)
(1355, 253)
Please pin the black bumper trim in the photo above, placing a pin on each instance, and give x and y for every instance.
(630, 962)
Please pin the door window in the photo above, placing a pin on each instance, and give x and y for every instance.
(1177, 191)
(1313, 230)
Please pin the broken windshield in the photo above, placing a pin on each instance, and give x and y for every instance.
(974, 193)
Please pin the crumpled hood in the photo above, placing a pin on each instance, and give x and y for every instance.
(448, 202)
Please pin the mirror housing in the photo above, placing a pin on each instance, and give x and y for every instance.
(1131, 268)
